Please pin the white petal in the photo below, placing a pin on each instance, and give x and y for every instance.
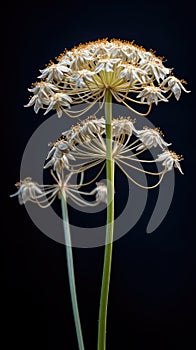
(176, 90)
(43, 75)
(67, 98)
(15, 194)
(108, 68)
(142, 93)
(169, 162)
(35, 191)
(177, 165)
(33, 89)
(51, 105)
(59, 112)
(156, 73)
(64, 68)
(48, 164)
(21, 200)
(70, 156)
(31, 102)
(37, 106)
(50, 153)
(25, 196)
(162, 156)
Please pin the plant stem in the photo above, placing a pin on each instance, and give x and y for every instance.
(109, 226)
(70, 268)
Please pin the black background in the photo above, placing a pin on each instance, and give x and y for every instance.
(152, 295)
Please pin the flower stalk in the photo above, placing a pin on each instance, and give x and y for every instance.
(109, 226)
(70, 268)
(96, 73)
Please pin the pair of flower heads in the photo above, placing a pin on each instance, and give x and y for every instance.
(135, 77)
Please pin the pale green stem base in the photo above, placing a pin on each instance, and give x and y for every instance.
(109, 228)
(70, 268)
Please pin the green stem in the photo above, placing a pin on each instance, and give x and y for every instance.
(109, 227)
(70, 268)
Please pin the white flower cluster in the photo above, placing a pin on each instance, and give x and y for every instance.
(85, 131)
(86, 72)
(44, 195)
(86, 142)
(170, 159)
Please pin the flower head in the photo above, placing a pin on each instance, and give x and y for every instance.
(154, 67)
(123, 126)
(44, 195)
(59, 155)
(81, 77)
(54, 71)
(152, 94)
(169, 160)
(101, 192)
(84, 146)
(58, 102)
(27, 190)
(151, 138)
(132, 73)
(175, 85)
(86, 72)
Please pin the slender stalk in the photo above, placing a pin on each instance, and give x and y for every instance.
(70, 268)
(109, 227)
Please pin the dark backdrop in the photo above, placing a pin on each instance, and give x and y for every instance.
(152, 294)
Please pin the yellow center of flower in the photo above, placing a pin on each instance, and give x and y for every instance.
(176, 156)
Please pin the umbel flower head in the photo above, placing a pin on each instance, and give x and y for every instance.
(84, 146)
(44, 195)
(133, 75)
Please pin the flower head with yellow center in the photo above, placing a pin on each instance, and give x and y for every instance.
(133, 75)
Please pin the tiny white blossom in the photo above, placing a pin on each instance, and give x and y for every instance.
(122, 126)
(79, 60)
(116, 52)
(81, 76)
(131, 73)
(155, 67)
(101, 192)
(145, 56)
(58, 101)
(152, 94)
(175, 85)
(87, 130)
(36, 101)
(54, 71)
(59, 156)
(101, 49)
(127, 53)
(27, 190)
(43, 89)
(106, 64)
(65, 59)
(131, 54)
(169, 160)
(151, 138)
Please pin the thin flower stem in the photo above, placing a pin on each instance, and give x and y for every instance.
(70, 268)
(109, 228)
